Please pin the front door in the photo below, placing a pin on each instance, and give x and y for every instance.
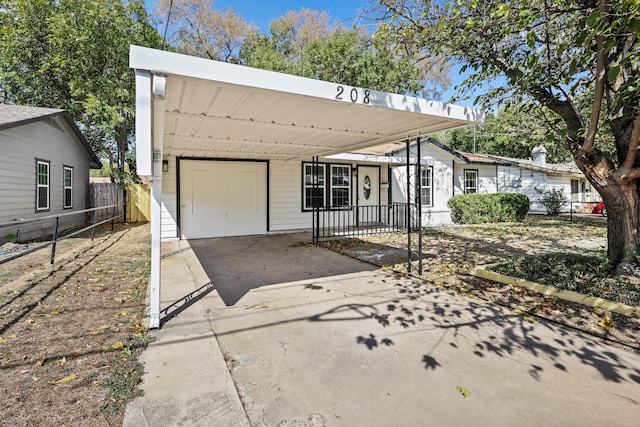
(368, 195)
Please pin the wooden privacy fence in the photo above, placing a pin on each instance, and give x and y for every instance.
(138, 201)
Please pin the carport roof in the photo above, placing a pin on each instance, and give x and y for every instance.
(222, 110)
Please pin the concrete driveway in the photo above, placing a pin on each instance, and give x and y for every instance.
(366, 347)
(239, 264)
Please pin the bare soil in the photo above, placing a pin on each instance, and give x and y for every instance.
(450, 252)
(70, 332)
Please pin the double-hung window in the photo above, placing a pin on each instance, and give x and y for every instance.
(314, 186)
(340, 185)
(42, 185)
(470, 181)
(326, 185)
(68, 187)
(426, 186)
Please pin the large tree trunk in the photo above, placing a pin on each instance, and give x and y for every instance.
(623, 228)
(622, 200)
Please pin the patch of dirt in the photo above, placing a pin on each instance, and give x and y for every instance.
(450, 252)
(70, 332)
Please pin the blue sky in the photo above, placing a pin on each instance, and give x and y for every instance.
(345, 11)
(262, 12)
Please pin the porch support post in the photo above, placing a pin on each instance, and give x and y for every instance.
(159, 87)
(419, 191)
(316, 208)
(408, 207)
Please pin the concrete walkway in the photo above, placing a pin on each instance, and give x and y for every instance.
(186, 381)
(366, 348)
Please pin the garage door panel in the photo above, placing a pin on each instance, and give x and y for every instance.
(223, 198)
(248, 181)
(203, 195)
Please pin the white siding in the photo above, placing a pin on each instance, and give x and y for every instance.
(285, 193)
(441, 163)
(486, 178)
(560, 183)
(513, 179)
(285, 196)
(20, 147)
(169, 217)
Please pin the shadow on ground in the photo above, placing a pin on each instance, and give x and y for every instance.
(237, 265)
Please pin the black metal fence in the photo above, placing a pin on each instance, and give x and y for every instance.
(574, 209)
(56, 234)
(356, 221)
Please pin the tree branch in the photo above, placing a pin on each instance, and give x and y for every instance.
(627, 171)
(601, 75)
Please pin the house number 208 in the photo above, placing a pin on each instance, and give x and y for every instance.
(354, 95)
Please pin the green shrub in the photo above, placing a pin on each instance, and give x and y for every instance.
(483, 208)
(554, 200)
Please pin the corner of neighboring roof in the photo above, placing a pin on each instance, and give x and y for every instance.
(448, 149)
(37, 114)
(504, 161)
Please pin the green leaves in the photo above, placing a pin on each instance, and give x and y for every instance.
(74, 54)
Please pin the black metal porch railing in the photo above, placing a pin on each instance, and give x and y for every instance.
(356, 221)
(359, 220)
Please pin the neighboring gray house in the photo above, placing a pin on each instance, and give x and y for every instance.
(44, 169)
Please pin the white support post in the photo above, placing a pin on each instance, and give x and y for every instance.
(158, 89)
(154, 284)
(144, 145)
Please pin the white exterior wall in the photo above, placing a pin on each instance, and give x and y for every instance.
(442, 165)
(487, 182)
(20, 147)
(513, 179)
(169, 206)
(285, 196)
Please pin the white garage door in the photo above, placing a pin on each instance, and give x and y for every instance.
(219, 199)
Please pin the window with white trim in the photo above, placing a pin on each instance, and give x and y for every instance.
(426, 186)
(340, 185)
(42, 185)
(470, 181)
(334, 191)
(314, 186)
(68, 187)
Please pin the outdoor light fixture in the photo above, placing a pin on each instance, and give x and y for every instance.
(165, 166)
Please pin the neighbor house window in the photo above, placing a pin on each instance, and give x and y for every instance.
(426, 187)
(68, 187)
(575, 185)
(470, 181)
(340, 186)
(314, 186)
(42, 185)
